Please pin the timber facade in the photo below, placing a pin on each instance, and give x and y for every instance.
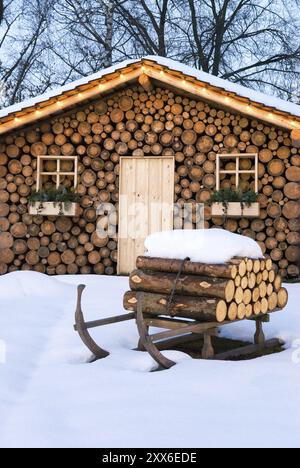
(140, 119)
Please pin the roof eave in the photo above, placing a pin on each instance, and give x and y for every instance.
(119, 76)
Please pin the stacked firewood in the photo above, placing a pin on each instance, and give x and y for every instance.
(239, 289)
(139, 123)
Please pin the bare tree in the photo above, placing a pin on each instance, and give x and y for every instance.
(45, 43)
(1, 11)
(147, 24)
(253, 43)
(23, 49)
(83, 38)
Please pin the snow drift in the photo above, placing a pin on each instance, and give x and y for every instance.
(21, 284)
(50, 397)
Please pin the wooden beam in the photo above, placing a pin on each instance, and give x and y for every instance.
(146, 82)
(144, 72)
(248, 350)
(166, 323)
(196, 327)
(106, 321)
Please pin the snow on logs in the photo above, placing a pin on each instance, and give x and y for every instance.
(239, 289)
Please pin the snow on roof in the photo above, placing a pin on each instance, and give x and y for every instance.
(62, 89)
(242, 91)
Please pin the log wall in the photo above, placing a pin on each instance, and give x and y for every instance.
(139, 123)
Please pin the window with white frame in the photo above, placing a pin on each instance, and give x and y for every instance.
(238, 170)
(57, 168)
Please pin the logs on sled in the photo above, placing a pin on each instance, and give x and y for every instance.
(237, 290)
(189, 301)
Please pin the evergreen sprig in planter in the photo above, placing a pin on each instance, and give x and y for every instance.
(235, 204)
(54, 202)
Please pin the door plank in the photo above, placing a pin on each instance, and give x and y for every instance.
(146, 204)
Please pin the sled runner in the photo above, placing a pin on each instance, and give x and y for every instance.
(173, 295)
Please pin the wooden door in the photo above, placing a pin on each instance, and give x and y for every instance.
(146, 204)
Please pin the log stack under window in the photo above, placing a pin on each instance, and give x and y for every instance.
(240, 289)
(143, 123)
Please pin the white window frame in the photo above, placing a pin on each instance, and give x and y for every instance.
(58, 173)
(237, 171)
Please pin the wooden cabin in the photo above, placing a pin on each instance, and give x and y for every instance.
(151, 131)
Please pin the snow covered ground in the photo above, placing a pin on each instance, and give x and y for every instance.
(50, 397)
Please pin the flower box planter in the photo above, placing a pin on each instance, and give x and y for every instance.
(53, 209)
(235, 210)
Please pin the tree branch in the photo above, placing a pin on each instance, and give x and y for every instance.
(1, 11)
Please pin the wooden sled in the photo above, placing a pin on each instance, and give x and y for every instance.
(177, 331)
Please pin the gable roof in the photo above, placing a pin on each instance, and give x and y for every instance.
(165, 71)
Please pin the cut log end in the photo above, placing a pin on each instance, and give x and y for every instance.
(232, 312)
(242, 268)
(273, 302)
(229, 291)
(221, 312)
(234, 272)
(264, 306)
(269, 264)
(241, 313)
(249, 310)
(256, 266)
(277, 283)
(282, 298)
(257, 308)
(239, 295)
(135, 279)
